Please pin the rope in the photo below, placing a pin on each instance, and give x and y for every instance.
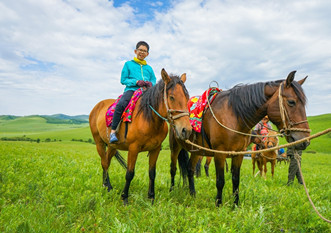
(297, 158)
(163, 118)
(259, 151)
(267, 157)
(233, 130)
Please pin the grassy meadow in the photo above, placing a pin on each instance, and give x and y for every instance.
(56, 186)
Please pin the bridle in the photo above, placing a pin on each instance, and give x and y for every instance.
(170, 111)
(287, 128)
(170, 117)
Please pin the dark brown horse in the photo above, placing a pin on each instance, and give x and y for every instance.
(241, 108)
(167, 100)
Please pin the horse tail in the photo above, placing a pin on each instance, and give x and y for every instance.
(121, 160)
(183, 158)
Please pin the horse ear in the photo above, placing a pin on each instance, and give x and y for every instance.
(183, 77)
(165, 76)
(290, 78)
(302, 80)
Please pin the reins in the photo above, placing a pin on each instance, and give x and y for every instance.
(259, 151)
(297, 158)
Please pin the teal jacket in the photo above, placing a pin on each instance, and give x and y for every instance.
(132, 72)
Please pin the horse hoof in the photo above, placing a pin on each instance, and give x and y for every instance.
(193, 193)
(109, 187)
(125, 201)
(218, 202)
(152, 201)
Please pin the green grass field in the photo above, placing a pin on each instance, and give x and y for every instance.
(56, 187)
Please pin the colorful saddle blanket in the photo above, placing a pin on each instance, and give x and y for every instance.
(127, 114)
(197, 104)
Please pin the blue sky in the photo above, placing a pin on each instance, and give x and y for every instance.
(65, 56)
(144, 10)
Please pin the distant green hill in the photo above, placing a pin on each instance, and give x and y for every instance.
(52, 119)
(318, 124)
(83, 118)
(8, 117)
(67, 129)
(45, 127)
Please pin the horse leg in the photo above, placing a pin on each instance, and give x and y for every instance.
(219, 166)
(273, 168)
(190, 173)
(153, 156)
(109, 155)
(208, 161)
(198, 167)
(105, 161)
(259, 165)
(235, 169)
(253, 162)
(265, 169)
(132, 158)
(173, 165)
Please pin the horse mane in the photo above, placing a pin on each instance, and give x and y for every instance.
(153, 96)
(246, 99)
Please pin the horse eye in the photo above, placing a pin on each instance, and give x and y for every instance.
(291, 103)
(172, 99)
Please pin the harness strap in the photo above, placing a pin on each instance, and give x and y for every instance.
(163, 118)
(180, 114)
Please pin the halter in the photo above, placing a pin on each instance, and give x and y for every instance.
(284, 115)
(170, 117)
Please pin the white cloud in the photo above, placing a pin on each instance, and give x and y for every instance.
(83, 45)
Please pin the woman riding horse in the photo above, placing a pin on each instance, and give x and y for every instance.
(162, 103)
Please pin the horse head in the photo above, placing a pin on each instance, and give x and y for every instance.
(271, 140)
(287, 110)
(175, 100)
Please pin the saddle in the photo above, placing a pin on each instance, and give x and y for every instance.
(127, 114)
(197, 105)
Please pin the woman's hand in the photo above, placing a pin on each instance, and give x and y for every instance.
(148, 84)
(141, 83)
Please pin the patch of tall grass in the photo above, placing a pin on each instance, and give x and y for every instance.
(57, 187)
